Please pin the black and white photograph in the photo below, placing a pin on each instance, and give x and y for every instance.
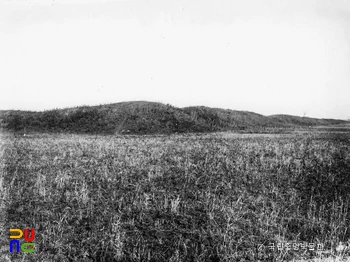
(174, 130)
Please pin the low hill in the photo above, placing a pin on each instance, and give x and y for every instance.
(142, 117)
(228, 119)
(303, 121)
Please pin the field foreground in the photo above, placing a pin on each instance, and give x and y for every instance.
(208, 197)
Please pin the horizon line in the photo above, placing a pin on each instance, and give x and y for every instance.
(164, 103)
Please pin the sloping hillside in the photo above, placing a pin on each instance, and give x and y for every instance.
(142, 117)
(303, 121)
(228, 119)
(127, 117)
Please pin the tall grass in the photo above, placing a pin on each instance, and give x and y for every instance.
(217, 197)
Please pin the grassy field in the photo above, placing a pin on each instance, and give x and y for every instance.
(207, 197)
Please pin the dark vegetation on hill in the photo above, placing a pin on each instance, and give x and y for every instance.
(303, 121)
(143, 117)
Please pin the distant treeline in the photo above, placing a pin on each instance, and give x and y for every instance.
(147, 118)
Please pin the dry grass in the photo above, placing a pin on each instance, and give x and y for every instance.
(215, 197)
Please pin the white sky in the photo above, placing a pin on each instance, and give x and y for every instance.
(265, 56)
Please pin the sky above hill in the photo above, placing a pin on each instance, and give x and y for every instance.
(266, 56)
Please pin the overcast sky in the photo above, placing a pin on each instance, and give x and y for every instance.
(265, 56)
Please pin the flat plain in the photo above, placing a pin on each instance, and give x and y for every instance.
(186, 197)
